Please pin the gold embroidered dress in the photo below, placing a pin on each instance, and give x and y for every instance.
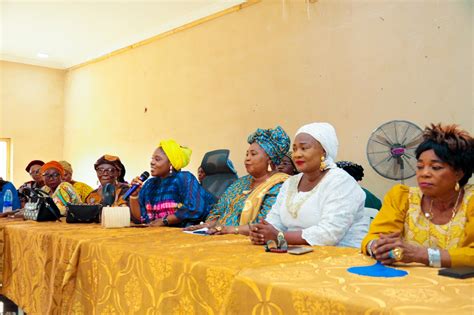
(401, 211)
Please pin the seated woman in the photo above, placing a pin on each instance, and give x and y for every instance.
(249, 199)
(201, 174)
(62, 192)
(433, 223)
(172, 197)
(4, 187)
(357, 172)
(33, 168)
(81, 188)
(323, 205)
(108, 169)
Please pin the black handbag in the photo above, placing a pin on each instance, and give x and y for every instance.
(41, 208)
(83, 213)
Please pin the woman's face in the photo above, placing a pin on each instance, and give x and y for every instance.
(256, 160)
(67, 176)
(286, 166)
(36, 174)
(52, 178)
(107, 174)
(160, 164)
(201, 174)
(435, 177)
(307, 153)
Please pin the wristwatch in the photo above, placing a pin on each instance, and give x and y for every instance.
(165, 220)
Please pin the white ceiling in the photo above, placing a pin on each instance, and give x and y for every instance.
(73, 32)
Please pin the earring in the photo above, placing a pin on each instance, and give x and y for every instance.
(457, 187)
(269, 167)
(322, 166)
(171, 169)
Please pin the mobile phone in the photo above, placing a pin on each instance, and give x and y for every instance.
(200, 232)
(299, 250)
(457, 272)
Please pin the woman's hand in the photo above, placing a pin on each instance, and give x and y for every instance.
(219, 230)
(198, 226)
(139, 182)
(262, 232)
(386, 243)
(157, 223)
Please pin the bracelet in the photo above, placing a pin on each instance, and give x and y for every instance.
(281, 241)
(236, 230)
(369, 248)
(165, 220)
(434, 257)
(133, 197)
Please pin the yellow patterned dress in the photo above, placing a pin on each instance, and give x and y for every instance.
(82, 189)
(419, 230)
(401, 211)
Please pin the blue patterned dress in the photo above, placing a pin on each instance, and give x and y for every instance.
(179, 194)
(229, 207)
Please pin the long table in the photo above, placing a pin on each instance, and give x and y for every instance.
(59, 268)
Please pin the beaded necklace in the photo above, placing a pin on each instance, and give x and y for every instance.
(294, 207)
(429, 215)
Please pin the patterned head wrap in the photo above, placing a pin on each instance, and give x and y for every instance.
(325, 134)
(109, 159)
(34, 162)
(179, 156)
(66, 165)
(275, 142)
(53, 164)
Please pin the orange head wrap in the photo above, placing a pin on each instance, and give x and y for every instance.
(53, 164)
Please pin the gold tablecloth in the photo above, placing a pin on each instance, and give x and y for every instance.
(58, 268)
(3, 222)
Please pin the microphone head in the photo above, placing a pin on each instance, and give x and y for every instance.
(108, 195)
(144, 176)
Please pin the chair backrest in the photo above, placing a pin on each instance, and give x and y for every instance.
(219, 172)
(370, 214)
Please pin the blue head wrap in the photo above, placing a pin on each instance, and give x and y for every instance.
(275, 142)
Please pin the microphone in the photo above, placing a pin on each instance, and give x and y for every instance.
(108, 195)
(134, 187)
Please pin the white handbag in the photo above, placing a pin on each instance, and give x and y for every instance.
(115, 217)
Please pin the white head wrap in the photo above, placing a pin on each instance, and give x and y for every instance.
(325, 134)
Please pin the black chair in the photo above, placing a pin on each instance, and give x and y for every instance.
(219, 170)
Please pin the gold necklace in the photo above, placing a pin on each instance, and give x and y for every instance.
(429, 215)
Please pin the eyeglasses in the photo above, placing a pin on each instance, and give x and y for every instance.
(35, 172)
(51, 176)
(108, 171)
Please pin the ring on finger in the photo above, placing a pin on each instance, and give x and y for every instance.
(396, 253)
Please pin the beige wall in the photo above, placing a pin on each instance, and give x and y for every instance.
(31, 114)
(355, 64)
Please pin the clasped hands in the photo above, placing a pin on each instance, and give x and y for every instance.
(262, 232)
(391, 248)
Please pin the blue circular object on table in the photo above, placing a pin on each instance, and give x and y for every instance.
(377, 270)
